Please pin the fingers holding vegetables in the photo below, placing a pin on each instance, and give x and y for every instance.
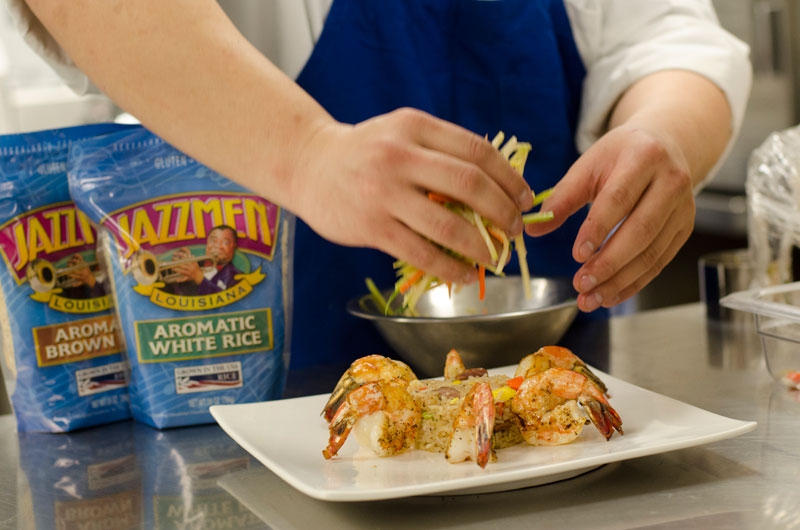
(486, 156)
(414, 280)
(642, 211)
(367, 185)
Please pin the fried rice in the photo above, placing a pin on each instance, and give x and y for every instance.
(441, 402)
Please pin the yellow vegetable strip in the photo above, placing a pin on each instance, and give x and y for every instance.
(522, 254)
(498, 139)
(485, 235)
(416, 291)
(520, 157)
(508, 149)
(503, 238)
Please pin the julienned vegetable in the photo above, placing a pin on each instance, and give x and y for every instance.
(412, 283)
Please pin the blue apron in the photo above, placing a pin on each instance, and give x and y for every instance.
(487, 65)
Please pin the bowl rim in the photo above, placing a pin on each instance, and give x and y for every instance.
(355, 309)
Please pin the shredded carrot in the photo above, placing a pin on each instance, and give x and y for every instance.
(414, 278)
(497, 234)
(515, 382)
(437, 197)
(481, 282)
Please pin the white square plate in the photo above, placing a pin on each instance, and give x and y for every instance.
(288, 436)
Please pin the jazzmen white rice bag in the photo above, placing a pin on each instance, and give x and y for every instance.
(200, 272)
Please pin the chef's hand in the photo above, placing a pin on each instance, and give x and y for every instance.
(636, 180)
(367, 185)
(665, 134)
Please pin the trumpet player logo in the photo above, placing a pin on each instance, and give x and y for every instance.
(53, 250)
(179, 270)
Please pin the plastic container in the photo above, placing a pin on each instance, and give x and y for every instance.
(777, 319)
(720, 274)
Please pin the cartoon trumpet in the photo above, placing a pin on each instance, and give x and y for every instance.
(147, 269)
(43, 276)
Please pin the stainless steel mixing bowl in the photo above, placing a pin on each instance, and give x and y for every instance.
(496, 331)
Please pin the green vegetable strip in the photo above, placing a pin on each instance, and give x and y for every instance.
(539, 198)
(382, 304)
(537, 217)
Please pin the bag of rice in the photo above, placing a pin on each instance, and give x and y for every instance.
(199, 269)
(62, 361)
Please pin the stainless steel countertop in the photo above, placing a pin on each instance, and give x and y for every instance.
(130, 476)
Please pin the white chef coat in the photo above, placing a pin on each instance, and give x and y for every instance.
(620, 41)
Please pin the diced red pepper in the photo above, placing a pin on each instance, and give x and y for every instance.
(515, 382)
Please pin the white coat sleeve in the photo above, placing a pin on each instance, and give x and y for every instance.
(622, 41)
(283, 30)
(41, 42)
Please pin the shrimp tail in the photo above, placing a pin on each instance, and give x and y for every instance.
(548, 357)
(453, 365)
(603, 416)
(483, 441)
(340, 426)
(473, 428)
(591, 376)
(345, 385)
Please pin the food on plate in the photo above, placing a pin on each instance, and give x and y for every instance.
(412, 282)
(382, 415)
(468, 414)
(556, 357)
(366, 370)
(471, 438)
(546, 404)
(442, 404)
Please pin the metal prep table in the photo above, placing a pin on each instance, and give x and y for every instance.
(127, 475)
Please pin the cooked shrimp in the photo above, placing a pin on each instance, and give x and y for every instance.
(385, 417)
(556, 357)
(454, 368)
(547, 405)
(471, 438)
(453, 365)
(365, 370)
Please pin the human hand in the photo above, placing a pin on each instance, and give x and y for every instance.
(635, 178)
(81, 274)
(368, 184)
(188, 268)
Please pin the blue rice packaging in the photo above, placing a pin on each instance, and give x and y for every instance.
(200, 272)
(63, 362)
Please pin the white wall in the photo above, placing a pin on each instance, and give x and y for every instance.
(32, 96)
